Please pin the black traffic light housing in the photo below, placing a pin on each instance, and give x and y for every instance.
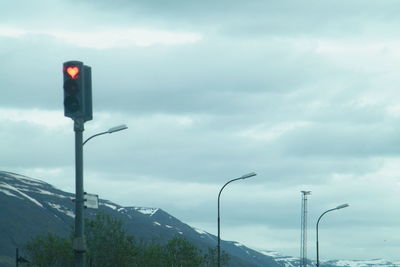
(77, 90)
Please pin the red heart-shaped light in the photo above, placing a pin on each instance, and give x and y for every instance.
(73, 71)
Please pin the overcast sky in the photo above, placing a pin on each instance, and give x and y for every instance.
(305, 93)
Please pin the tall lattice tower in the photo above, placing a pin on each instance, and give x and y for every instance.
(303, 246)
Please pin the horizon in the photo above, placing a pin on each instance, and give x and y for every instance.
(303, 94)
(278, 256)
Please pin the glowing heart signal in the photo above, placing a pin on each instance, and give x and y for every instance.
(73, 71)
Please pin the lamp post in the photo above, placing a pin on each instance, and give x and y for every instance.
(109, 131)
(245, 176)
(79, 245)
(337, 208)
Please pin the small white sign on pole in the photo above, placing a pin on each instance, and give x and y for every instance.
(91, 201)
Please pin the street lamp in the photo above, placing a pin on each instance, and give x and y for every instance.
(245, 176)
(79, 243)
(337, 208)
(109, 131)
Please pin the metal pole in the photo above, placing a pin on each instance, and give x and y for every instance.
(219, 236)
(219, 227)
(16, 258)
(317, 232)
(317, 248)
(303, 245)
(79, 238)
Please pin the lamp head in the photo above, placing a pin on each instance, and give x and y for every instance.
(342, 206)
(245, 176)
(117, 128)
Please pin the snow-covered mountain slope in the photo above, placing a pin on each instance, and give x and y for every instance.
(362, 263)
(31, 207)
(288, 261)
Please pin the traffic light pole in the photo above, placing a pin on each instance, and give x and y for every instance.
(79, 237)
(78, 106)
(17, 259)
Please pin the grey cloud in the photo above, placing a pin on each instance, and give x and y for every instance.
(142, 79)
(343, 140)
(257, 18)
(33, 146)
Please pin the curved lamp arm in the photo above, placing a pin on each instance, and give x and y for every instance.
(109, 131)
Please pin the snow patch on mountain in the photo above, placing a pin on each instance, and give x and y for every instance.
(363, 263)
(60, 208)
(146, 211)
(45, 192)
(286, 261)
(7, 192)
(238, 244)
(31, 182)
(114, 207)
(12, 188)
(202, 232)
(26, 180)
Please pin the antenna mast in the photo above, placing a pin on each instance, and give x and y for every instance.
(303, 247)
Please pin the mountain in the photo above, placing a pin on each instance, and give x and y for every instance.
(31, 207)
(361, 263)
(289, 261)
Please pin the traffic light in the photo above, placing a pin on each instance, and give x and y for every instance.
(77, 90)
(73, 89)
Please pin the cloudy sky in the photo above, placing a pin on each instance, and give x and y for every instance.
(305, 93)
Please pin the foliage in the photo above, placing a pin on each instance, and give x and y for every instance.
(151, 256)
(50, 250)
(211, 258)
(181, 253)
(108, 244)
